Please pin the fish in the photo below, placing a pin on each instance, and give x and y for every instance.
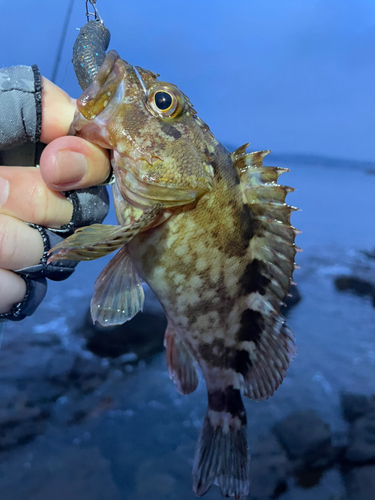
(209, 231)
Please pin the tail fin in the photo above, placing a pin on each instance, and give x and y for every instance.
(221, 456)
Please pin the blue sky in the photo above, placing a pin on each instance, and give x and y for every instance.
(293, 76)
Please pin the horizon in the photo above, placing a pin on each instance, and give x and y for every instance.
(292, 77)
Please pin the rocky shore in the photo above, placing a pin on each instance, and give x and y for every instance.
(303, 448)
(45, 382)
(360, 279)
(88, 414)
(71, 389)
(45, 385)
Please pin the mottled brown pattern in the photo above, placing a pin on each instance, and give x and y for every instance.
(252, 326)
(253, 279)
(242, 363)
(170, 130)
(228, 400)
(216, 354)
(247, 223)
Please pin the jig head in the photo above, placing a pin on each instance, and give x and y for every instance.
(95, 13)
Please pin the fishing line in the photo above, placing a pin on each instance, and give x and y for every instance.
(62, 41)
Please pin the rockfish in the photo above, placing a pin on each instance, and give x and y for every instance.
(209, 231)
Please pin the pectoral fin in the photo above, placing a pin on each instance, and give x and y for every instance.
(118, 292)
(93, 242)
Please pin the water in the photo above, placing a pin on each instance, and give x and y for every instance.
(140, 445)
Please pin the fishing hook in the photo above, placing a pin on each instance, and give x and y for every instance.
(95, 13)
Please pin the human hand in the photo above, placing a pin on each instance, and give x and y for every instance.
(34, 195)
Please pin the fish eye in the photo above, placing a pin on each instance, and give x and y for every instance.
(165, 100)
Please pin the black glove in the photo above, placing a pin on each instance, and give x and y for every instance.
(20, 98)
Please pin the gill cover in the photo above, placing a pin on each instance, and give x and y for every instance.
(159, 145)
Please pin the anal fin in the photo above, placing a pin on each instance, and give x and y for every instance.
(180, 363)
(118, 294)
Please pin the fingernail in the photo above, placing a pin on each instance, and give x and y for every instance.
(4, 190)
(70, 167)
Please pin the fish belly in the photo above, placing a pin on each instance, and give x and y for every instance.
(196, 281)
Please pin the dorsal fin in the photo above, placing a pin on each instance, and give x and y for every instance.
(243, 163)
(271, 251)
(242, 160)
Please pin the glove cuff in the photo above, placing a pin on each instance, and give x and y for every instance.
(35, 291)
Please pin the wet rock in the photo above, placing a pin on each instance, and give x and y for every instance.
(354, 406)
(355, 285)
(20, 426)
(160, 484)
(361, 280)
(369, 255)
(45, 339)
(14, 417)
(123, 361)
(143, 336)
(361, 442)
(38, 392)
(68, 411)
(74, 408)
(306, 438)
(9, 395)
(60, 367)
(163, 478)
(22, 361)
(71, 473)
(269, 469)
(88, 374)
(309, 477)
(360, 483)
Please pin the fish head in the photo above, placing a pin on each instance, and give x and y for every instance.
(161, 149)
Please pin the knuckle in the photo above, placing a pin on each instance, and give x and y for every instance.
(12, 290)
(8, 241)
(40, 204)
(20, 245)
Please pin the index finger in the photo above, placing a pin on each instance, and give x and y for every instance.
(57, 111)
